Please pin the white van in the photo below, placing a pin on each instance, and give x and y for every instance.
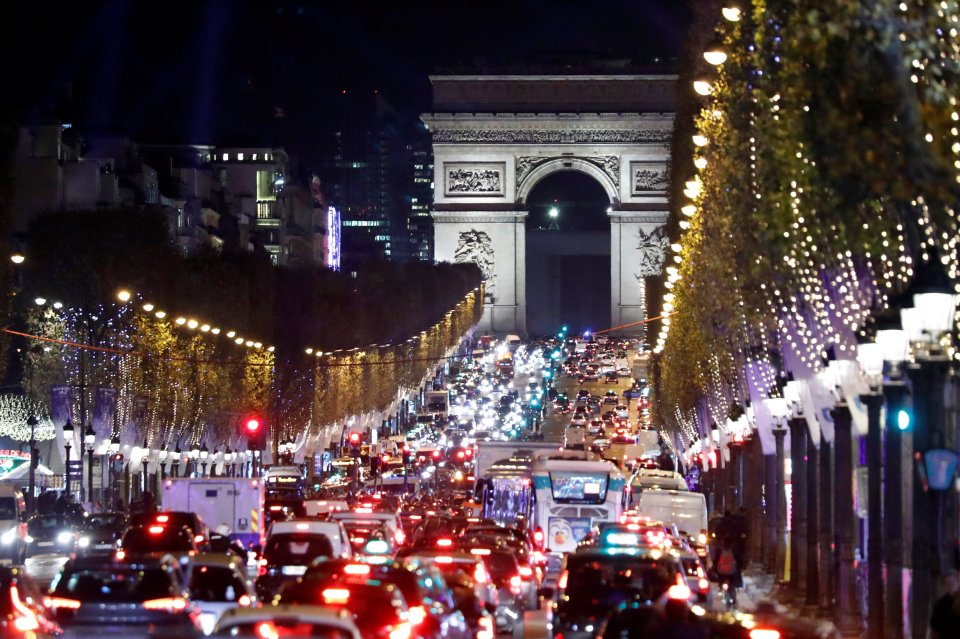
(13, 525)
(332, 530)
(513, 342)
(648, 478)
(686, 510)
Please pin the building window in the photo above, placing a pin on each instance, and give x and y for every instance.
(226, 157)
(240, 156)
(266, 157)
(254, 157)
(264, 210)
(266, 186)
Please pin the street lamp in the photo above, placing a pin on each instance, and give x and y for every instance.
(204, 453)
(228, 462)
(177, 457)
(89, 439)
(17, 257)
(162, 460)
(32, 421)
(67, 445)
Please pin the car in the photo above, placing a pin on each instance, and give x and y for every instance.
(595, 582)
(133, 599)
(468, 599)
(22, 614)
(333, 530)
(622, 411)
(286, 557)
(102, 532)
(192, 521)
(457, 562)
(51, 535)
(610, 397)
(218, 583)
(611, 377)
(431, 609)
(287, 620)
(378, 608)
(13, 523)
(157, 540)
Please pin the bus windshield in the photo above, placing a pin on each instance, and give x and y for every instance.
(578, 487)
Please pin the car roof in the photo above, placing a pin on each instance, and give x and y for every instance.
(218, 559)
(302, 612)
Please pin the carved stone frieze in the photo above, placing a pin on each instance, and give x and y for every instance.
(551, 136)
(609, 164)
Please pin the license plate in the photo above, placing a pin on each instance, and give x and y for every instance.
(103, 546)
(44, 544)
(293, 571)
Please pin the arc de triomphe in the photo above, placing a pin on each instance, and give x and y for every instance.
(496, 136)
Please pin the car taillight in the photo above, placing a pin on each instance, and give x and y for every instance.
(400, 631)
(356, 569)
(526, 572)
(764, 633)
(480, 574)
(262, 567)
(53, 603)
(562, 582)
(703, 584)
(26, 619)
(169, 604)
(443, 542)
(399, 537)
(416, 615)
(515, 583)
(198, 539)
(244, 600)
(486, 629)
(335, 596)
(121, 555)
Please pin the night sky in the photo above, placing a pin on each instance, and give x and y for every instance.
(269, 71)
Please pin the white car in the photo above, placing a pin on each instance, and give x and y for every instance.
(218, 583)
(332, 530)
(308, 621)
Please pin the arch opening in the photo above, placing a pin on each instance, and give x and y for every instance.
(568, 269)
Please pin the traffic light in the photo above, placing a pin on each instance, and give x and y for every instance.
(407, 454)
(903, 419)
(256, 433)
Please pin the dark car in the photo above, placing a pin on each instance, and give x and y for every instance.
(286, 557)
(101, 533)
(175, 518)
(156, 540)
(21, 608)
(51, 535)
(596, 582)
(431, 609)
(93, 597)
(378, 608)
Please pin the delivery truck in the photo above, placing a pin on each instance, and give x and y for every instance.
(234, 502)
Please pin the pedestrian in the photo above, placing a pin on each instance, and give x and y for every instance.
(945, 618)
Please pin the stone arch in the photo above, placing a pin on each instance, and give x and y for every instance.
(530, 180)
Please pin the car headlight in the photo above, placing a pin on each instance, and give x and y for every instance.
(28, 539)
(65, 537)
(8, 537)
(83, 542)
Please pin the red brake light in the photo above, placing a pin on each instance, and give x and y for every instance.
(764, 633)
(170, 604)
(60, 602)
(26, 620)
(244, 600)
(562, 582)
(356, 569)
(198, 539)
(444, 542)
(482, 552)
(515, 583)
(460, 454)
(162, 519)
(262, 567)
(363, 510)
(416, 615)
(480, 574)
(335, 595)
(155, 530)
(443, 559)
(265, 630)
(526, 571)
(401, 631)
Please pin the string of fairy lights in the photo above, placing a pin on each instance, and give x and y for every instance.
(825, 283)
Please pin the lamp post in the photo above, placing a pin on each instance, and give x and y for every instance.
(67, 445)
(32, 421)
(194, 460)
(780, 410)
(870, 356)
(896, 349)
(928, 377)
(89, 439)
(113, 449)
(177, 457)
(204, 454)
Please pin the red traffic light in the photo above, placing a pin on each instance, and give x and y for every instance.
(253, 425)
(355, 438)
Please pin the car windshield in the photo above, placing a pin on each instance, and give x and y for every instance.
(157, 539)
(8, 508)
(612, 579)
(282, 627)
(116, 584)
(215, 583)
(104, 521)
(296, 549)
(46, 526)
(501, 564)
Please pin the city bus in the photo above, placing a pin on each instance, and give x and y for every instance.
(507, 491)
(573, 492)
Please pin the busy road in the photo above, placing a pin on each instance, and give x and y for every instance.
(533, 496)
